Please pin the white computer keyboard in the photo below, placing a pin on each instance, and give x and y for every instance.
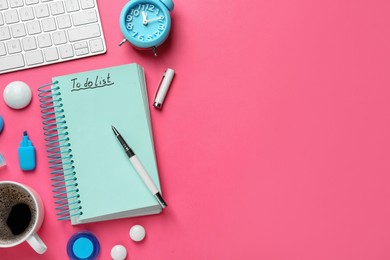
(40, 32)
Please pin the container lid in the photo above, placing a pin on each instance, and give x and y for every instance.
(83, 246)
(1, 124)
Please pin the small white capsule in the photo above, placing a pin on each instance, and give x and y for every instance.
(137, 233)
(118, 252)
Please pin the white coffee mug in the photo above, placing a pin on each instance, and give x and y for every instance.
(11, 193)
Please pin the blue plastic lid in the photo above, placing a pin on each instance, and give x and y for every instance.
(1, 123)
(83, 246)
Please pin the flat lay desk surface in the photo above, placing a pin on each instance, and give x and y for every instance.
(273, 142)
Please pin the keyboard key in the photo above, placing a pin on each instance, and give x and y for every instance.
(83, 33)
(63, 21)
(59, 37)
(3, 4)
(11, 16)
(29, 44)
(49, 24)
(18, 30)
(1, 19)
(4, 33)
(96, 45)
(66, 51)
(81, 52)
(31, 2)
(86, 4)
(11, 62)
(43, 1)
(72, 5)
(44, 40)
(34, 57)
(51, 54)
(2, 49)
(33, 27)
(26, 13)
(85, 17)
(80, 45)
(14, 46)
(16, 3)
(42, 11)
(57, 8)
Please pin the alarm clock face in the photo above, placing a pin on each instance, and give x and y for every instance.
(145, 24)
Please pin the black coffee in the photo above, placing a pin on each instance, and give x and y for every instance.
(17, 213)
(19, 218)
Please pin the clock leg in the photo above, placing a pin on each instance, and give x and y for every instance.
(122, 42)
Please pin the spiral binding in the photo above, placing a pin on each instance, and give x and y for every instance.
(64, 181)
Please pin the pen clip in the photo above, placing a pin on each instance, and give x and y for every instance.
(159, 85)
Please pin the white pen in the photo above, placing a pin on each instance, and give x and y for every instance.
(139, 168)
(163, 87)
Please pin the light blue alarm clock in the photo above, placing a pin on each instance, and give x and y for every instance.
(146, 23)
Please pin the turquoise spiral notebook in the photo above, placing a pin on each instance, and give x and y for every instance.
(92, 178)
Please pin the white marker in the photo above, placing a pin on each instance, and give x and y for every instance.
(163, 87)
(139, 168)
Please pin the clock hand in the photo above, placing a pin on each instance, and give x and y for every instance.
(144, 18)
(154, 19)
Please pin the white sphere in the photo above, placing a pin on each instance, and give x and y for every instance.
(137, 233)
(17, 95)
(118, 252)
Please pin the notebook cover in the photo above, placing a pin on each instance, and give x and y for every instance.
(107, 183)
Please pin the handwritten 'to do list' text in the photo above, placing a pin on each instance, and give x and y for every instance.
(98, 82)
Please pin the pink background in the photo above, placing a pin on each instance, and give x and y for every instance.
(274, 138)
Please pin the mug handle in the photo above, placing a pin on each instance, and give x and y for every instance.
(36, 243)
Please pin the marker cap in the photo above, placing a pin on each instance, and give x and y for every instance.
(163, 87)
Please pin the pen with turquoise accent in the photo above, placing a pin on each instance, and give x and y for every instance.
(139, 168)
